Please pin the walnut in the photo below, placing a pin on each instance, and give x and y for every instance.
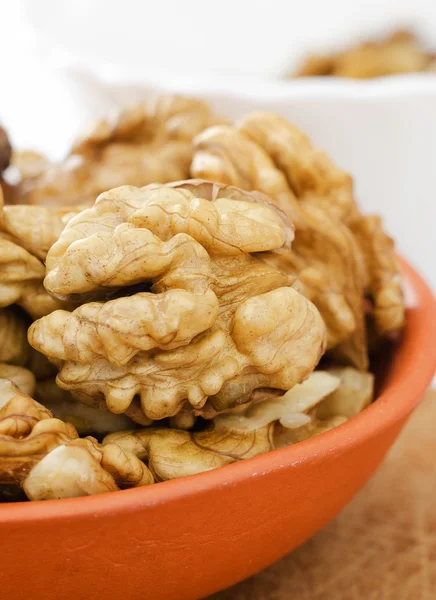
(143, 144)
(86, 419)
(382, 266)
(324, 253)
(80, 467)
(338, 254)
(400, 52)
(21, 281)
(35, 228)
(172, 453)
(48, 460)
(309, 171)
(354, 393)
(5, 150)
(161, 119)
(215, 323)
(286, 436)
(26, 233)
(19, 413)
(20, 270)
(14, 348)
(21, 377)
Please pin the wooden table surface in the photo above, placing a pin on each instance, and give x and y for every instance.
(383, 544)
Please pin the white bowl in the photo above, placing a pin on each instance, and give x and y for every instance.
(259, 38)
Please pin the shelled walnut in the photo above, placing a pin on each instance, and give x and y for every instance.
(35, 448)
(146, 143)
(215, 323)
(26, 234)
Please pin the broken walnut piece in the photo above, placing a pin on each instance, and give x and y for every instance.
(48, 460)
(355, 392)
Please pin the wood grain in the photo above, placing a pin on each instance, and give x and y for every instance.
(383, 544)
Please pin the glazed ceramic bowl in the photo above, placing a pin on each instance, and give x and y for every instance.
(187, 538)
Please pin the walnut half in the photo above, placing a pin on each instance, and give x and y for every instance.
(214, 321)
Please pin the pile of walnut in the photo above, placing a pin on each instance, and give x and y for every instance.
(181, 323)
(399, 52)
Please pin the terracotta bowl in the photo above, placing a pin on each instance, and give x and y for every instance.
(188, 538)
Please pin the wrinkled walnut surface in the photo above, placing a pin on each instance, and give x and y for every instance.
(324, 254)
(217, 323)
(45, 456)
(35, 228)
(184, 320)
(172, 453)
(26, 234)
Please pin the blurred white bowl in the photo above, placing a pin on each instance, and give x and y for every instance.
(195, 37)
